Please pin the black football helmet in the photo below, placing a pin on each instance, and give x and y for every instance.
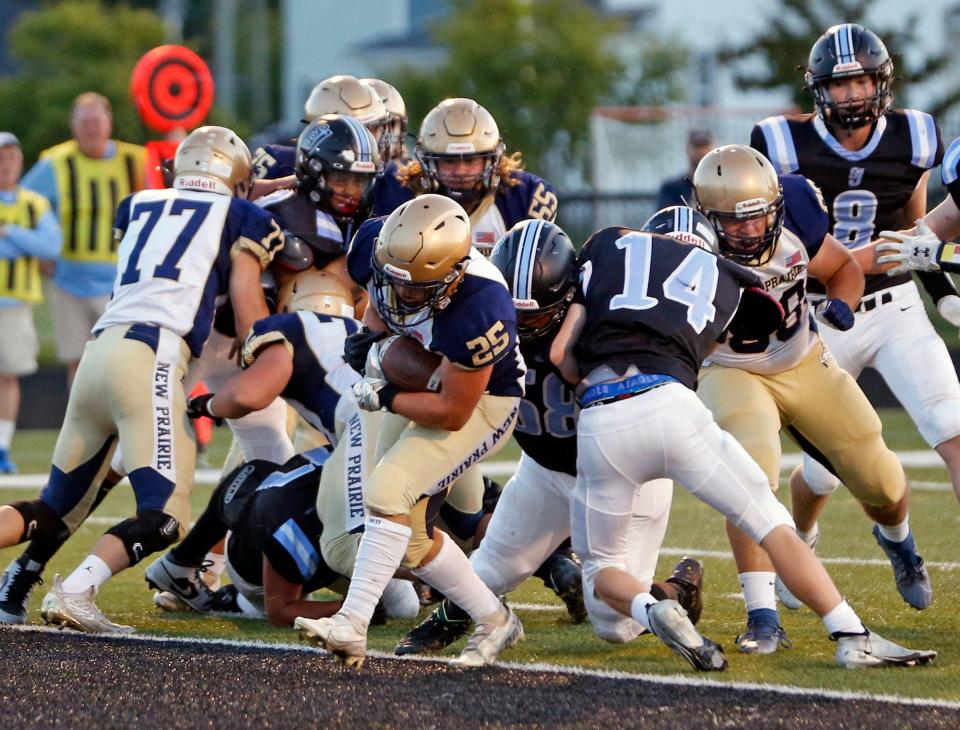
(684, 224)
(845, 51)
(540, 265)
(337, 163)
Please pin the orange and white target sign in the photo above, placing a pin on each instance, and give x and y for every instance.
(172, 88)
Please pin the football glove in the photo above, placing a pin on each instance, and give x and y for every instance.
(357, 345)
(834, 313)
(374, 394)
(199, 407)
(916, 252)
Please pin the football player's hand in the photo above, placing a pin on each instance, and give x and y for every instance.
(199, 407)
(757, 315)
(834, 313)
(374, 394)
(357, 345)
(949, 308)
(916, 252)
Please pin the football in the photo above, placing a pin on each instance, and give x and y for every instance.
(408, 365)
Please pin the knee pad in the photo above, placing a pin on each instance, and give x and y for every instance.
(818, 478)
(148, 532)
(40, 522)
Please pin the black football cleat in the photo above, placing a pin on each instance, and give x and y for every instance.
(439, 630)
(561, 573)
(687, 576)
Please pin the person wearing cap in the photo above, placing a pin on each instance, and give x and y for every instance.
(679, 190)
(28, 233)
(85, 178)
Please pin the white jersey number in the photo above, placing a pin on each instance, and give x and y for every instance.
(179, 232)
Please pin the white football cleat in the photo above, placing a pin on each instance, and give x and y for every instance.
(77, 611)
(488, 641)
(182, 581)
(337, 635)
(670, 624)
(857, 651)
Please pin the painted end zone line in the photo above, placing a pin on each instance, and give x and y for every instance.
(909, 459)
(668, 680)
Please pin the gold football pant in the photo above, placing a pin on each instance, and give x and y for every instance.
(129, 386)
(418, 465)
(824, 410)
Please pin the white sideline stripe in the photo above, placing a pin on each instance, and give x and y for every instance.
(537, 606)
(668, 680)
(909, 459)
(669, 551)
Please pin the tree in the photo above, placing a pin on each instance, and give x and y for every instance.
(65, 49)
(539, 67)
(794, 26)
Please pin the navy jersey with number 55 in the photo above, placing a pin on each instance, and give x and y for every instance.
(654, 302)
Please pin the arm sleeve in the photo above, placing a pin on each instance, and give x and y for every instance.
(284, 329)
(258, 233)
(806, 214)
(487, 331)
(360, 252)
(44, 241)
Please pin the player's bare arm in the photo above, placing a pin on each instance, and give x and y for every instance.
(451, 407)
(257, 386)
(246, 295)
(562, 350)
(285, 601)
(838, 270)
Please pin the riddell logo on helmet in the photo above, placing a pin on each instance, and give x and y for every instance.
(687, 237)
(750, 206)
(526, 304)
(842, 68)
(195, 182)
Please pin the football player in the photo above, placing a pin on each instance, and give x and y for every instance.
(179, 249)
(274, 165)
(274, 558)
(872, 163)
(641, 336)
(425, 280)
(532, 516)
(460, 154)
(777, 225)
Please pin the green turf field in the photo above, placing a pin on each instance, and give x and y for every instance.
(694, 527)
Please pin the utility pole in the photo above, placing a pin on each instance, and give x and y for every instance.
(224, 54)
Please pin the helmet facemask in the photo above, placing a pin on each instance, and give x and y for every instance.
(423, 299)
(468, 189)
(750, 250)
(844, 113)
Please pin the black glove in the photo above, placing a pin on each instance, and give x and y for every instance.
(758, 315)
(357, 345)
(199, 407)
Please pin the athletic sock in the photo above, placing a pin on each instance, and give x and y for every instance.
(895, 533)
(758, 590)
(638, 609)
(450, 573)
(843, 620)
(93, 571)
(382, 548)
(6, 433)
(811, 536)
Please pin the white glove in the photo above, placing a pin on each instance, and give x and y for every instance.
(913, 253)
(367, 391)
(949, 308)
(372, 367)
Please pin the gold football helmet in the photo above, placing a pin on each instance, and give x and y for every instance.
(419, 259)
(393, 144)
(460, 130)
(733, 184)
(348, 96)
(316, 291)
(213, 159)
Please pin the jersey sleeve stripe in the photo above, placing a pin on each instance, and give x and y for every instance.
(923, 138)
(948, 170)
(780, 147)
(296, 543)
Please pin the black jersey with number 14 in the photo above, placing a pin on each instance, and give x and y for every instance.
(654, 302)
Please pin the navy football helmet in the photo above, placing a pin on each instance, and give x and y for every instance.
(540, 265)
(337, 163)
(845, 51)
(684, 224)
